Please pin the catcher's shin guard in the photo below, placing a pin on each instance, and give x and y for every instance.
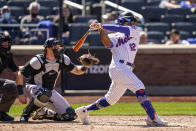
(31, 107)
(146, 104)
(40, 100)
(44, 113)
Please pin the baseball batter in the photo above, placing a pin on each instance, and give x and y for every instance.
(123, 43)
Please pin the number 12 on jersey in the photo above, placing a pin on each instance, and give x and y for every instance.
(132, 46)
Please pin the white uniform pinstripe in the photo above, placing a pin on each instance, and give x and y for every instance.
(124, 48)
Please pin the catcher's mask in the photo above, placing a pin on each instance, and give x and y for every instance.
(4, 49)
(51, 43)
(126, 17)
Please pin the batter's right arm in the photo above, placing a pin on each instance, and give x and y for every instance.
(104, 38)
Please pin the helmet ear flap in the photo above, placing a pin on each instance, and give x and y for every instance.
(121, 21)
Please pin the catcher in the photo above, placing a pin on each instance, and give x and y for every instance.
(41, 73)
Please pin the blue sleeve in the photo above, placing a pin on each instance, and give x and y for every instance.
(117, 28)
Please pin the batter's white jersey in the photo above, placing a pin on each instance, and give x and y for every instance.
(124, 46)
(123, 54)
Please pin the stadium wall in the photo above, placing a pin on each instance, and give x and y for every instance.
(165, 70)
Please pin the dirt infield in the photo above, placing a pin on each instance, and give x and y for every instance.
(105, 123)
(109, 123)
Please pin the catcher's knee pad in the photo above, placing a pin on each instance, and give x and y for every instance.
(69, 115)
(141, 95)
(42, 97)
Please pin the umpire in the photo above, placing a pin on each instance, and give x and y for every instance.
(8, 91)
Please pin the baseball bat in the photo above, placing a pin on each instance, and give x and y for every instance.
(81, 41)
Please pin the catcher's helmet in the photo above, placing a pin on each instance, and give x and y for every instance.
(126, 17)
(50, 42)
(5, 38)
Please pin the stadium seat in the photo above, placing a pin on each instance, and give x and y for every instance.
(94, 39)
(21, 3)
(156, 35)
(153, 14)
(185, 35)
(154, 41)
(75, 11)
(158, 26)
(50, 17)
(83, 19)
(184, 26)
(2, 3)
(172, 18)
(153, 2)
(134, 5)
(96, 10)
(17, 11)
(191, 18)
(48, 3)
(45, 11)
(77, 30)
(179, 11)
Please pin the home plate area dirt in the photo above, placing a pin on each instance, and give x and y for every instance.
(108, 123)
(104, 123)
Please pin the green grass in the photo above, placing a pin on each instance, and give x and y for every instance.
(162, 108)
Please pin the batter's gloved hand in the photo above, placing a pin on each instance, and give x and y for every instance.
(88, 59)
(95, 26)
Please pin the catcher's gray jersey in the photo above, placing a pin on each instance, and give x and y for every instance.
(44, 72)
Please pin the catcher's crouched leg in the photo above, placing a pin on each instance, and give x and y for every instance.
(40, 100)
(69, 115)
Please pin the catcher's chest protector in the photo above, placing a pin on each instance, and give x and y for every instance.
(48, 72)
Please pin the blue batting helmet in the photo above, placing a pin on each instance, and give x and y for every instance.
(126, 17)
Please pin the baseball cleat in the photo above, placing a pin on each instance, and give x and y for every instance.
(24, 118)
(83, 115)
(156, 122)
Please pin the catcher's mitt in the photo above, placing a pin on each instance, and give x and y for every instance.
(88, 59)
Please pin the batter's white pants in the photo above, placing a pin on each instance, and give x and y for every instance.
(122, 79)
(57, 102)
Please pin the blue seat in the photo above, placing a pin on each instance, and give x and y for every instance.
(180, 11)
(45, 11)
(96, 10)
(48, 3)
(17, 11)
(172, 18)
(153, 14)
(75, 11)
(153, 2)
(185, 35)
(83, 19)
(2, 3)
(158, 26)
(134, 5)
(191, 18)
(21, 3)
(184, 26)
(77, 30)
(94, 39)
(156, 35)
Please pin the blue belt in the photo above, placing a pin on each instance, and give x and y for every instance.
(127, 63)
